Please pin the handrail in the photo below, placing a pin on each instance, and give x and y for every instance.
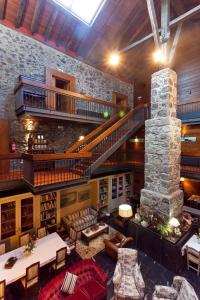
(92, 134)
(56, 156)
(64, 92)
(112, 128)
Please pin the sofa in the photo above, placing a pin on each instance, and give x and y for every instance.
(127, 279)
(90, 285)
(117, 241)
(180, 290)
(81, 219)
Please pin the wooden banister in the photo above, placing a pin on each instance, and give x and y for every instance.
(92, 134)
(63, 92)
(113, 128)
(56, 156)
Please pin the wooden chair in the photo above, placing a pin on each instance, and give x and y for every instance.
(24, 239)
(2, 248)
(32, 276)
(41, 232)
(2, 290)
(71, 240)
(193, 257)
(60, 259)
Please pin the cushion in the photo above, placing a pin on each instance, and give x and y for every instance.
(69, 283)
(128, 288)
(94, 290)
(84, 212)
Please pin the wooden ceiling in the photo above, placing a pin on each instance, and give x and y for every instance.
(119, 23)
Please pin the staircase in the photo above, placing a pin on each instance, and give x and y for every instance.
(107, 138)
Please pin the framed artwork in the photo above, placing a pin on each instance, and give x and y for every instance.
(67, 198)
(84, 195)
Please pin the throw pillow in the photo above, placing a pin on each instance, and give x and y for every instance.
(166, 292)
(69, 283)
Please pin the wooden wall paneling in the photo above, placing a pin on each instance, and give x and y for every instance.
(191, 187)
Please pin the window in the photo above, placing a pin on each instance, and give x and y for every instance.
(85, 10)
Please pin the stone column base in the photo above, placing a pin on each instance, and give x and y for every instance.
(166, 206)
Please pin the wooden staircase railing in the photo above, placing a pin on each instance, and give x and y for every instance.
(112, 138)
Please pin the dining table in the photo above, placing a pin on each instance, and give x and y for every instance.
(193, 243)
(43, 252)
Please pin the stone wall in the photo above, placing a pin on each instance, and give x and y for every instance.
(161, 194)
(22, 55)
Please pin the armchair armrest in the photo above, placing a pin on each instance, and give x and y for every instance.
(165, 292)
(177, 282)
(109, 244)
(139, 281)
(117, 275)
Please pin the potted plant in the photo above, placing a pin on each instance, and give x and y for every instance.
(30, 246)
(164, 230)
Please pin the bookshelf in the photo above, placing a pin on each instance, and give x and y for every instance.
(48, 209)
(128, 186)
(114, 188)
(8, 219)
(26, 214)
(103, 193)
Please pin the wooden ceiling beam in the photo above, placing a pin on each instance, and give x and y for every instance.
(20, 13)
(175, 43)
(172, 23)
(154, 23)
(50, 24)
(3, 5)
(37, 14)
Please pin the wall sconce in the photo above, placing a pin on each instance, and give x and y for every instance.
(29, 125)
(81, 137)
(182, 179)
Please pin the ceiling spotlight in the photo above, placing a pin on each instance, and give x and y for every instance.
(81, 137)
(159, 56)
(114, 59)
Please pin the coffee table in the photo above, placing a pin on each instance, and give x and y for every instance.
(88, 234)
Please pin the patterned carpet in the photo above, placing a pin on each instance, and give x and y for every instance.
(95, 246)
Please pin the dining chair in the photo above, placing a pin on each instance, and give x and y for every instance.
(32, 276)
(193, 256)
(71, 240)
(2, 248)
(2, 290)
(41, 232)
(60, 259)
(24, 239)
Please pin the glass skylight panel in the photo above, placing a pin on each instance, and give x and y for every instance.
(85, 10)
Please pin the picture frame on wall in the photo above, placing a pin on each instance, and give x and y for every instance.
(67, 198)
(84, 195)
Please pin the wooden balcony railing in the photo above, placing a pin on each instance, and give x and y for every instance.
(189, 111)
(42, 169)
(36, 99)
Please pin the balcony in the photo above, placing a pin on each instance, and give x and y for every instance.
(37, 99)
(189, 111)
(42, 172)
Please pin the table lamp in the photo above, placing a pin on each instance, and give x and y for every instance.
(125, 211)
(174, 223)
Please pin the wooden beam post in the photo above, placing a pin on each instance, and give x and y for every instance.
(165, 30)
(20, 13)
(3, 4)
(36, 15)
(50, 24)
(175, 43)
(154, 23)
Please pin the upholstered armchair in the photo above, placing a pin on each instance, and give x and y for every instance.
(117, 241)
(180, 290)
(127, 279)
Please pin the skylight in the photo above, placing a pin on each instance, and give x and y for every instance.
(85, 10)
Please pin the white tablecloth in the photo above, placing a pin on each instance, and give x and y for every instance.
(44, 252)
(193, 243)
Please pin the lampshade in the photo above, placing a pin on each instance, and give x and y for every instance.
(125, 211)
(174, 222)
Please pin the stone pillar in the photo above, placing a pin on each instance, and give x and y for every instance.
(161, 194)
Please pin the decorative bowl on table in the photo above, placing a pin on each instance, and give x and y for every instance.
(10, 262)
(87, 230)
(95, 227)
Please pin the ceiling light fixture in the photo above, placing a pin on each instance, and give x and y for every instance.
(159, 56)
(114, 59)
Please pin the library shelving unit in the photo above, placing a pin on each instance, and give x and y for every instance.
(48, 209)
